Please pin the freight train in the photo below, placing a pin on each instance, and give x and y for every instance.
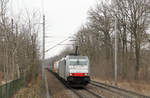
(74, 69)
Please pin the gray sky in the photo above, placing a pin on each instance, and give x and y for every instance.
(63, 17)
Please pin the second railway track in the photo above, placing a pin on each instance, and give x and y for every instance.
(122, 92)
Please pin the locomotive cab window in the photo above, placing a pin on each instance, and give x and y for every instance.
(78, 62)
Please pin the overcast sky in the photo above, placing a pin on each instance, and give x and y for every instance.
(63, 17)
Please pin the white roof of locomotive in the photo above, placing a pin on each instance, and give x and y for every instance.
(76, 57)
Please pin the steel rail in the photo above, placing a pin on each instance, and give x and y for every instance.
(113, 91)
(93, 93)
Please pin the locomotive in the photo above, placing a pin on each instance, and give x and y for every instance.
(74, 69)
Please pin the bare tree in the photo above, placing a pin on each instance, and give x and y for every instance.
(137, 20)
(100, 20)
(19, 52)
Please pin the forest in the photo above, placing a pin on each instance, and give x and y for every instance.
(19, 49)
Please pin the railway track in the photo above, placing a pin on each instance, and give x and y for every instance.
(81, 92)
(122, 92)
(99, 90)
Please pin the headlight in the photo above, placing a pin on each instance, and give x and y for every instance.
(70, 74)
(86, 74)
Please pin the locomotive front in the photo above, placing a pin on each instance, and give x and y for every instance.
(78, 69)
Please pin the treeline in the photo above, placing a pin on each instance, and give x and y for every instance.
(19, 51)
(96, 39)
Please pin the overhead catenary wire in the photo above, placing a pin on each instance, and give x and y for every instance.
(66, 44)
(57, 44)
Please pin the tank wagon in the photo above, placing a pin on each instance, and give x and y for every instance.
(74, 69)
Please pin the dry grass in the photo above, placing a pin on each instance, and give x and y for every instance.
(32, 91)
